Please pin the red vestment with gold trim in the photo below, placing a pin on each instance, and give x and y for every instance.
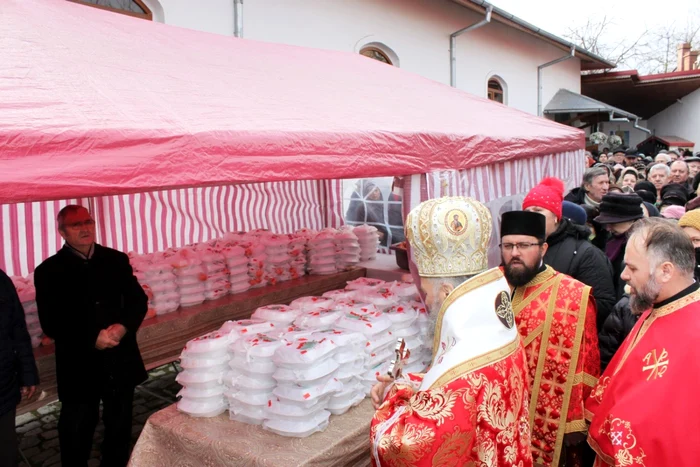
(479, 419)
(471, 407)
(644, 410)
(559, 311)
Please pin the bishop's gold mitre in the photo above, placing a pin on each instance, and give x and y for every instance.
(449, 236)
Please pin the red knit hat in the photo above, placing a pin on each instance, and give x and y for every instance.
(549, 194)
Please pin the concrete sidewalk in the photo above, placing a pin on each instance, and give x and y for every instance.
(38, 436)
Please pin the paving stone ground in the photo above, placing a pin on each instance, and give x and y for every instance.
(37, 431)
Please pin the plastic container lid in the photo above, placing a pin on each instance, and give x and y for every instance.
(367, 323)
(201, 409)
(248, 382)
(341, 294)
(363, 283)
(343, 337)
(304, 352)
(200, 379)
(305, 304)
(255, 346)
(277, 313)
(194, 362)
(257, 397)
(308, 393)
(207, 394)
(211, 342)
(253, 366)
(291, 375)
(251, 326)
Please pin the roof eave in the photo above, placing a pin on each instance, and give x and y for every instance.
(589, 61)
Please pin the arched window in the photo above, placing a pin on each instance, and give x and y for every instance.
(136, 8)
(495, 91)
(375, 53)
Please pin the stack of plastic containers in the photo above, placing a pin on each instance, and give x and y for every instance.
(250, 384)
(351, 359)
(306, 380)
(191, 276)
(380, 342)
(322, 253)
(255, 252)
(204, 362)
(297, 253)
(27, 297)
(237, 264)
(368, 238)
(159, 283)
(277, 261)
(217, 284)
(347, 249)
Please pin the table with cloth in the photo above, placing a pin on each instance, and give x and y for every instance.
(174, 439)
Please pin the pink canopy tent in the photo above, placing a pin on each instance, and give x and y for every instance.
(95, 103)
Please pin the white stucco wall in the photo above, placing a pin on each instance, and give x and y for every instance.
(416, 30)
(681, 119)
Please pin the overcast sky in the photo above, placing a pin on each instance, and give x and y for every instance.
(630, 16)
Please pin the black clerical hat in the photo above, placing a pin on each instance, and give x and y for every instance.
(533, 224)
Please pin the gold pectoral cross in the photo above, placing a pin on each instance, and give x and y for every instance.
(657, 365)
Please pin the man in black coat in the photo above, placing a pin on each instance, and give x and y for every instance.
(570, 252)
(91, 304)
(18, 374)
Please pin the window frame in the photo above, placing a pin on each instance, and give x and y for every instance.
(493, 93)
(147, 16)
(378, 51)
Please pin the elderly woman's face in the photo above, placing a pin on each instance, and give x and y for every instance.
(629, 180)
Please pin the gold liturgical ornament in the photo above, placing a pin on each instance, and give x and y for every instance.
(449, 236)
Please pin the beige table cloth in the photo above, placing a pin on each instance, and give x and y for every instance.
(174, 439)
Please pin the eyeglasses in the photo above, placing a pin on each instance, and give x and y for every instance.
(521, 246)
(78, 225)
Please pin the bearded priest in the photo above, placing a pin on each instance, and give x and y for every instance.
(644, 410)
(556, 319)
(470, 408)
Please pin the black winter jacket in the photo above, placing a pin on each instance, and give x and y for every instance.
(572, 254)
(577, 196)
(17, 366)
(615, 329)
(77, 298)
(619, 266)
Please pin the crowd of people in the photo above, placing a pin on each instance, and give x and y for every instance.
(595, 299)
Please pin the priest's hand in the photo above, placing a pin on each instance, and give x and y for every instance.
(105, 340)
(379, 388)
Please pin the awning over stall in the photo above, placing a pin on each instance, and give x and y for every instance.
(96, 103)
(569, 102)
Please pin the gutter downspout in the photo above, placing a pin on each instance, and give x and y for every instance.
(645, 130)
(238, 18)
(569, 56)
(453, 43)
